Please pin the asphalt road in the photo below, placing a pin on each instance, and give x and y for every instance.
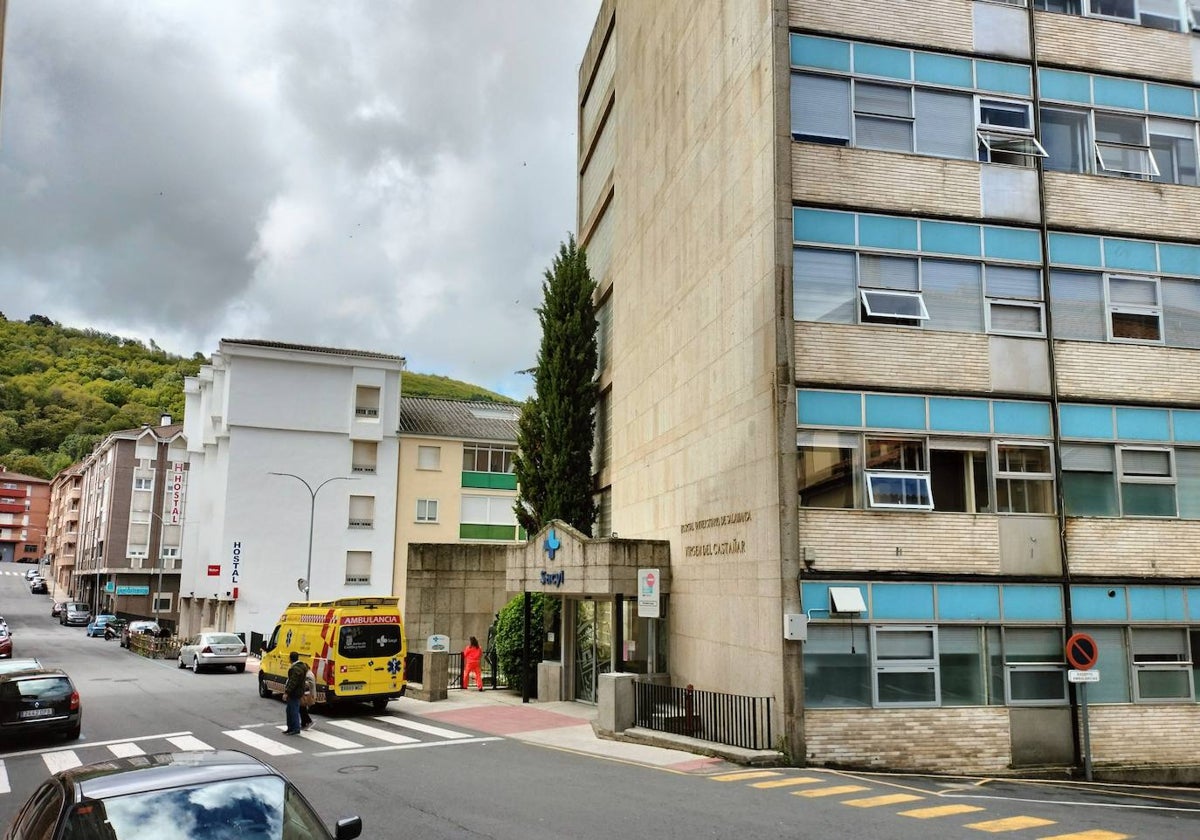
(409, 780)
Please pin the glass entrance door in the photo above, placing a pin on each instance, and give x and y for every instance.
(593, 647)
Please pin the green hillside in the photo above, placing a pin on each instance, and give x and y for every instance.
(63, 389)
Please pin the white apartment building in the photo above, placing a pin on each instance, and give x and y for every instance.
(293, 455)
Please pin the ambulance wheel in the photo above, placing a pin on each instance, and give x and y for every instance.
(379, 704)
(263, 691)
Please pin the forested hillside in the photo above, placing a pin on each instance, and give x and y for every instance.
(63, 389)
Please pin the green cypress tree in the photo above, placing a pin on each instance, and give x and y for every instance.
(554, 462)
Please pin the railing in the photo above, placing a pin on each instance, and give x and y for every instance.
(735, 720)
(414, 671)
(152, 647)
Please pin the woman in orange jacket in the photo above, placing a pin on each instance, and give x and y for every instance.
(471, 656)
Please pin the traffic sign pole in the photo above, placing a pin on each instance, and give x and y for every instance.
(1087, 734)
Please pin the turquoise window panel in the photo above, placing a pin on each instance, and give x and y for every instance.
(1177, 101)
(902, 600)
(1143, 424)
(1073, 249)
(816, 595)
(1032, 603)
(822, 226)
(1187, 426)
(968, 602)
(891, 232)
(1012, 244)
(1003, 78)
(807, 51)
(1091, 603)
(885, 411)
(1094, 422)
(1193, 599)
(950, 238)
(1065, 87)
(1156, 603)
(829, 408)
(888, 62)
(1021, 418)
(1179, 259)
(943, 70)
(959, 415)
(1120, 93)
(1128, 253)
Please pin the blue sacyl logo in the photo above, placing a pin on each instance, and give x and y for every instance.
(551, 544)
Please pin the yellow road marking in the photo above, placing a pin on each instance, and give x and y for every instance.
(829, 791)
(1095, 834)
(887, 799)
(940, 811)
(741, 777)
(778, 783)
(1010, 824)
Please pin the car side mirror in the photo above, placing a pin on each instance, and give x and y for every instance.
(348, 828)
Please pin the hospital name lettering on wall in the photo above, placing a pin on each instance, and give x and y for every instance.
(709, 549)
(553, 578)
(236, 559)
(715, 522)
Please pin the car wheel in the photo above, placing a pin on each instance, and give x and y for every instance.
(181, 663)
(379, 704)
(195, 664)
(241, 669)
(263, 691)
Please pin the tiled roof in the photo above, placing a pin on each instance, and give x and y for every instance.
(9, 475)
(465, 419)
(308, 348)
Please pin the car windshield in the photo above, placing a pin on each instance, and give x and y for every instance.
(264, 808)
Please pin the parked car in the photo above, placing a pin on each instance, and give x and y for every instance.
(202, 794)
(56, 608)
(30, 574)
(75, 613)
(213, 650)
(40, 700)
(3, 623)
(14, 665)
(139, 628)
(38, 586)
(96, 625)
(6, 648)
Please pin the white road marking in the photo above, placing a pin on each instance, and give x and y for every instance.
(414, 746)
(61, 760)
(189, 742)
(85, 743)
(371, 731)
(331, 741)
(260, 742)
(4, 787)
(125, 750)
(422, 727)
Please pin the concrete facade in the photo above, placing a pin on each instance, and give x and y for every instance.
(898, 333)
(24, 517)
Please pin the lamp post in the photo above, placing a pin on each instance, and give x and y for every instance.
(312, 510)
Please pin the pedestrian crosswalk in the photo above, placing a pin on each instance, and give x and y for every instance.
(330, 737)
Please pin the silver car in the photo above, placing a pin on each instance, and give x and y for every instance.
(213, 650)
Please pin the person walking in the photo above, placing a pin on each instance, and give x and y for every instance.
(307, 699)
(293, 690)
(471, 656)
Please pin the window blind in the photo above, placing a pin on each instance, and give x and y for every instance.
(820, 106)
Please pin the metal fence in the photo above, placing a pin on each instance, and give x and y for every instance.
(735, 720)
(414, 671)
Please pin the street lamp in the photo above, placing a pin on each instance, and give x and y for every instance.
(312, 510)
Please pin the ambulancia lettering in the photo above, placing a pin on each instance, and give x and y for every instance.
(370, 619)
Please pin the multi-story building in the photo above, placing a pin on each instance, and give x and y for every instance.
(119, 523)
(24, 514)
(62, 534)
(293, 453)
(900, 326)
(456, 485)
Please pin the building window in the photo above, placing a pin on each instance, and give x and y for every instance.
(30, 548)
(358, 567)
(958, 475)
(905, 669)
(169, 551)
(366, 402)
(1134, 309)
(143, 484)
(1147, 482)
(1123, 145)
(1024, 478)
(162, 602)
(1162, 665)
(1033, 664)
(364, 456)
(1089, 485)
(897, 475)
(828, 470)
(1155, 14)
(1005, 132)
(427, 510)
(837, 667)
(487, 518)
(483, 457)
(1014, 301)
(429, 457)
(362, 512)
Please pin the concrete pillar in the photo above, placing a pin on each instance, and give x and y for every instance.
(615, 706)
(549, 682)
(435, 677)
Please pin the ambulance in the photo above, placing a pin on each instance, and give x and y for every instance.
(355, 648)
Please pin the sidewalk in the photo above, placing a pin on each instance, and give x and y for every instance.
(564, 726)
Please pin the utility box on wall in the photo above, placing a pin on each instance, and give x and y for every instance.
(795, 627)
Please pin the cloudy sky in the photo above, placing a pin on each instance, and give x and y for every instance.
(382, 175)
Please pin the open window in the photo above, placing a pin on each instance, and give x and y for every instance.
(1024, 478)
(1005, 131)
(897, 474)
(1134, 309)
(1122, 147)
(1173, 147)
(958, 476)
(901, 308)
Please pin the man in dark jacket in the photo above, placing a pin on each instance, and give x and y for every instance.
(293, 689)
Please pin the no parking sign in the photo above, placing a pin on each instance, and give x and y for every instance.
(648, 593)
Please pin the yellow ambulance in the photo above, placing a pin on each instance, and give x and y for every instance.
(355, 648)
